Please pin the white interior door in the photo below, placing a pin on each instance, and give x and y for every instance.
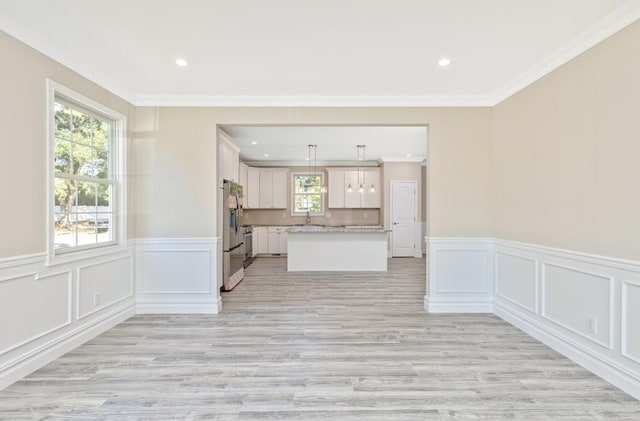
(403, 218)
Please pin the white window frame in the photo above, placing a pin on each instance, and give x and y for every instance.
(117, 167)
(293, 194)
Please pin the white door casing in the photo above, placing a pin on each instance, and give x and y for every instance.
(403, 218)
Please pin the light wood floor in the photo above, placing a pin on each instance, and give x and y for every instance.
(316, 347)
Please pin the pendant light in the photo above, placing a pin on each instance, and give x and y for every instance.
(361, 178)
(323, 188)
(361, 182)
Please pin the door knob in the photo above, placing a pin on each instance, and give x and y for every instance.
(395, 223)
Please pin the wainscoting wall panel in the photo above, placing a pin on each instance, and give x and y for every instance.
(460, 274)
(579, 301)
(177, 275)
(103, 284)
(631, 320)
(46, 311)
(48, 297)
(517, 280)
(588, 306)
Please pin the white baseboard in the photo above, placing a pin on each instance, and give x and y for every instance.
(583, 306)
(457, 307)
(592, 362)
(59, 307)
(28, 363)
(179, 307)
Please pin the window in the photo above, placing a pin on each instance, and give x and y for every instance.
(307, 194)
(86, 168)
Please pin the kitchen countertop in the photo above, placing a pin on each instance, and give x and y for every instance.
(348, 228)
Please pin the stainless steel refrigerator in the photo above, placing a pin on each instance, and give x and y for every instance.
(232, 235)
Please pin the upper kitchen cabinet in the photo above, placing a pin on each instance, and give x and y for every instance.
(266, 188)
(252, 189)
(341, 178)
(228, 158)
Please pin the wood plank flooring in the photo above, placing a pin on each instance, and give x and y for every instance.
(316, 346)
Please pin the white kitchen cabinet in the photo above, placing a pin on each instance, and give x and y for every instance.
(371, 199)
(262, 239)
(279, 189)
(273, 189)
(277, 240)
(336, 188)
(252, 189)
(254, 242)
(351, 198)
(266, 190)
(339, 181)
(242, 179)
(228, 158)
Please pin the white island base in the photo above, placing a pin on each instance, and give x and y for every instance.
(336, 250)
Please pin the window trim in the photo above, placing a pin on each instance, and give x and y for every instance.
(117, 166)
(293, 194)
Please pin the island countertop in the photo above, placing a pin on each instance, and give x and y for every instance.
(326, 229)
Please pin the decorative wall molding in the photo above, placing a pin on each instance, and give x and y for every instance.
(568, 289)
(630, 347)
(47, 299)
(460, 272)
(177, 275)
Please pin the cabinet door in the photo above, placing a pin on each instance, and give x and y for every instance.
(263, 240)
(223, 161)
(279, 189)
(234, 164)
(242, 179)
(266, 190)
(352, 199)
(255, 242)
(371, 199)
(283, 242)
(274, 242)
(336, 189)
(252, 191)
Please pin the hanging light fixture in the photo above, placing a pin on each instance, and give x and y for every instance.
(323, 188)
(361, 182)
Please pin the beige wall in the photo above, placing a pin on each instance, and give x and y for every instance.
(400, 171)
(176, 160)
(23, 107)
(556, 164)
(566, 154)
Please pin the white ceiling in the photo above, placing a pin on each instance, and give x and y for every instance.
(288, 145)
(322, 52)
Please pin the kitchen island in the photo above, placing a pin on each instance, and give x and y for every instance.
(320, 248)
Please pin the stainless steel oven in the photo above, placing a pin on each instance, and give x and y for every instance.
(248, 246)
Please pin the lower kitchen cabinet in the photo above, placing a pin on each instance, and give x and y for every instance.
(277, 240)
(270, 240)
(262, 239)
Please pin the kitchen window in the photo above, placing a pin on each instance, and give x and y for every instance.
(86, 172)
(307, 194)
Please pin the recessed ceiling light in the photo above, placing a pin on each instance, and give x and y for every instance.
(254, 143)
(408, 155)
(306, 159)
(444, 61)
(182, 62)
(266, 154)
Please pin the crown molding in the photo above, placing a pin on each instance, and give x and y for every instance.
(609, 25)
(311, 101)
(617, 20)
(305, 164)
(43, 46)
(417, 159)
